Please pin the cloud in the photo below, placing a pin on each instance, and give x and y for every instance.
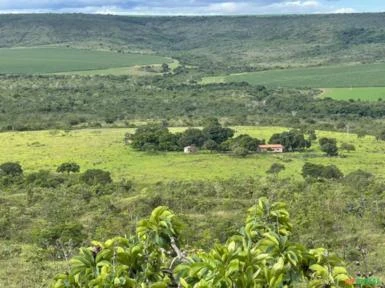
(173, 7)
(344, 10)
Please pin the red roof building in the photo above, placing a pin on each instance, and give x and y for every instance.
(275, 148)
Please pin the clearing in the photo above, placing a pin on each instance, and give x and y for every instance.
(104, 149)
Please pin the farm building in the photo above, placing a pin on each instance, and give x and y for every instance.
(275, 148)
(190, 149)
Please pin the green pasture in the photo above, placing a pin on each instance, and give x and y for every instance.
(104, 149)
(364, 75)
(59, 59)
(354, 93)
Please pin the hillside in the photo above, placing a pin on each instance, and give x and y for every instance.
(213, 43)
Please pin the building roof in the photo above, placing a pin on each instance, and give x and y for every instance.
(271, 146)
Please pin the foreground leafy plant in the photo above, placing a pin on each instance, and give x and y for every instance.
(261, 255)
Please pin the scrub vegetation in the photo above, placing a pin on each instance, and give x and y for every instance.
(95, 114)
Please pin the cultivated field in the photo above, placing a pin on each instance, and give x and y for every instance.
(58, 59)
(367, 75)
(356, 93)
(104, 148)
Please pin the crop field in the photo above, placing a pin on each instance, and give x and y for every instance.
(55, 60)
(104, 149)
(365, 75)
(356, 93)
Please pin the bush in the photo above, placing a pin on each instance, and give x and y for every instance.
(61, 232)
(96, 176)
(329, 146)
(68, 167)
(348, 147)
(359, 179)
(321, 171)
(11, 169)
(44, 178)
(275, 168)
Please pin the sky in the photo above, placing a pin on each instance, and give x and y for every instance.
(192, 7)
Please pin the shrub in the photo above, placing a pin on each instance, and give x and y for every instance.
(96, 176)
(11, 169)
(321, 171)
(329, 146)
(348, 147)
(275, 168)
(68, 167)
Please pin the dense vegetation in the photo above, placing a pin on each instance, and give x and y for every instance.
(46, 102)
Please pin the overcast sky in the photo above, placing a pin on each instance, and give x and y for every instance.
(192, 7)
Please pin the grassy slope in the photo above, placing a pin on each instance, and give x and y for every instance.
(104, 149)
(50, 60)
(366, 75)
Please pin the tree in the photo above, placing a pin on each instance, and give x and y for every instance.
(11, 169)
(165, 68)
(260, 255)
(275, 168)
(154, 137)
(320, 171)
(329, 146)
(239, 151)
(244, 141)
(312, 135)
(192, 136)
(213, 130)
(68, 167)
(210, 145)
(96, 176)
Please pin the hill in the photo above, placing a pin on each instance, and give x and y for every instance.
(232, 44)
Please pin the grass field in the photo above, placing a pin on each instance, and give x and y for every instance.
(103, 148)
(365, 75)
(53, 60)
(362, 93)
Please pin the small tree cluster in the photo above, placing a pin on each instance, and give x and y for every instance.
(242, 145)
(159, 138)
(293, 140)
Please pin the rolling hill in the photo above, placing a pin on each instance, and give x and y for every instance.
(234, 44)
